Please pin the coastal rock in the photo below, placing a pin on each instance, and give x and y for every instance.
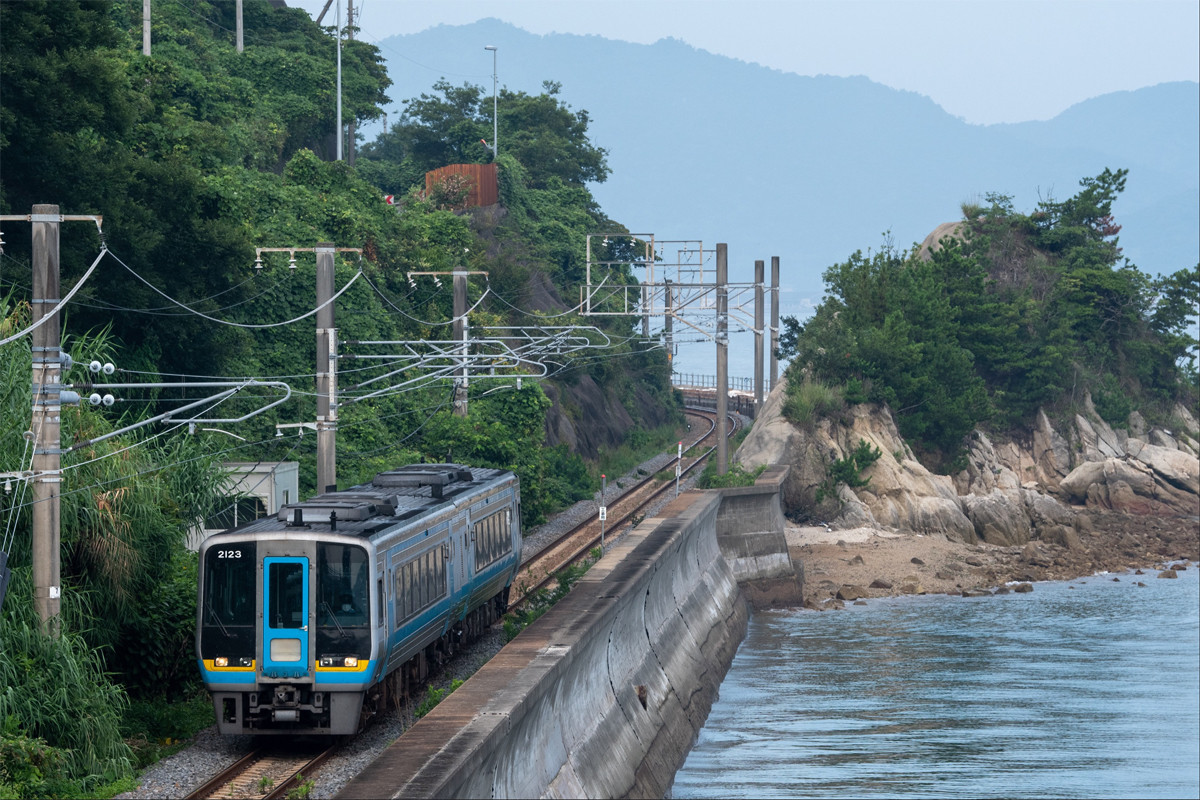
(1062, 536)
(1155, 481)
(998, 519)
(880, 583)
(1029, 486)
(1095, 437)
(1137, 424)
(1168, 573)
(1023, 588)
(848, 593)
(1050, 451)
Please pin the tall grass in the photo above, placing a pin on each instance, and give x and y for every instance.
(55, 689)
(809, 400)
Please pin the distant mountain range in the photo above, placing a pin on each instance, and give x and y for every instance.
(811, 169)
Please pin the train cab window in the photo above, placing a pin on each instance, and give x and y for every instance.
(229, 611)
(229, 578)
(343, 600)
(343, 581)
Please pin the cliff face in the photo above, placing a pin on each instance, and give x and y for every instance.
(1010, 493)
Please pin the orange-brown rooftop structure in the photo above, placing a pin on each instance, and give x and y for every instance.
(483, 190)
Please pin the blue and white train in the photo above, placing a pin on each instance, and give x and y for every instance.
(310, 621)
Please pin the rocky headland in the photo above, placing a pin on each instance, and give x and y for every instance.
(1046, 505)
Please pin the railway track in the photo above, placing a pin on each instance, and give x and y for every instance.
(540, 570)
(265, 773)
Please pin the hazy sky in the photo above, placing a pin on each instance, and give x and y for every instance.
(983, 60)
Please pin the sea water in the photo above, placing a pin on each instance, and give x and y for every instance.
(1088, 688)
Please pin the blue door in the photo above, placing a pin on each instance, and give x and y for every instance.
(285, 617)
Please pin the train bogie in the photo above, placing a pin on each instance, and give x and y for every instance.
(308, 620)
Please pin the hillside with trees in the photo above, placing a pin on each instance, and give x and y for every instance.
(196, 156)
(1012, 313)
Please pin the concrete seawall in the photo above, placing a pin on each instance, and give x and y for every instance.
(600, 697)
(752, 538)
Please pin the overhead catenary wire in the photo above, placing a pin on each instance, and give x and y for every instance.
(253, 326)
(160, 311)
(405, 314)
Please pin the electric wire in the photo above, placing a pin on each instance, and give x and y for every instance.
(254, 326)
(405, 314)
(414, 432)
(160, 311)
(160, 467)
(49, 314)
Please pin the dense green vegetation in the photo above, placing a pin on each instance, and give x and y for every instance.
(1019, 312)
(196, 156)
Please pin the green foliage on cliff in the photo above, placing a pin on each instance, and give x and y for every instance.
(1019, 312)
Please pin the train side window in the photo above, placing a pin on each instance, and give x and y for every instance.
(492, 539)
(420, 583)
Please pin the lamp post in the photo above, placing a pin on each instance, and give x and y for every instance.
(495, 124)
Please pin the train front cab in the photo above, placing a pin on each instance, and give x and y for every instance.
(299, 661)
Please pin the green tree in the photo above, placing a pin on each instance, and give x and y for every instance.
(544, 135)
(1026, 313)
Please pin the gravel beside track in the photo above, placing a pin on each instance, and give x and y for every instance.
(180, 774)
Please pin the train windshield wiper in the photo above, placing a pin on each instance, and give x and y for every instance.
(212, 613)
(333, 618)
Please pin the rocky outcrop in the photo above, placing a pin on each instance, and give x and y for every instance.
(589, 419)
(1032, 487)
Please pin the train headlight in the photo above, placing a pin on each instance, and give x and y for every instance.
(226, 661)
(339, 661)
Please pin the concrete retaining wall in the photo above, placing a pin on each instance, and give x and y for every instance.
(602, 696)
(750, 533)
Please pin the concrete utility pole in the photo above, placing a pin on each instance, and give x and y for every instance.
(326, 372)
(758, 334)
(350, 124)
(338, 121)
(722, 358)
(645, 313)
(145, 27)
(239, 26)
(47, 419)
(774, 319)
(460, 335)
(669, 325)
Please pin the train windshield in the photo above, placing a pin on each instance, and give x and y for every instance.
(343, 600)
(227, 614)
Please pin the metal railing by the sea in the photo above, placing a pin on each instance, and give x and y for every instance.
(686, 380)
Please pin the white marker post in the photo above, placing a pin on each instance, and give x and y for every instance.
(603, 509)
(678, 467)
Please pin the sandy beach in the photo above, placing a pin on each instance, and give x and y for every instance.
(841, 566)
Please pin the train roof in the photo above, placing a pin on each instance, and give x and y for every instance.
(391, 497)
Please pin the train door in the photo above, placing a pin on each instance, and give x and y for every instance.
(461, 532)
(285, 617)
